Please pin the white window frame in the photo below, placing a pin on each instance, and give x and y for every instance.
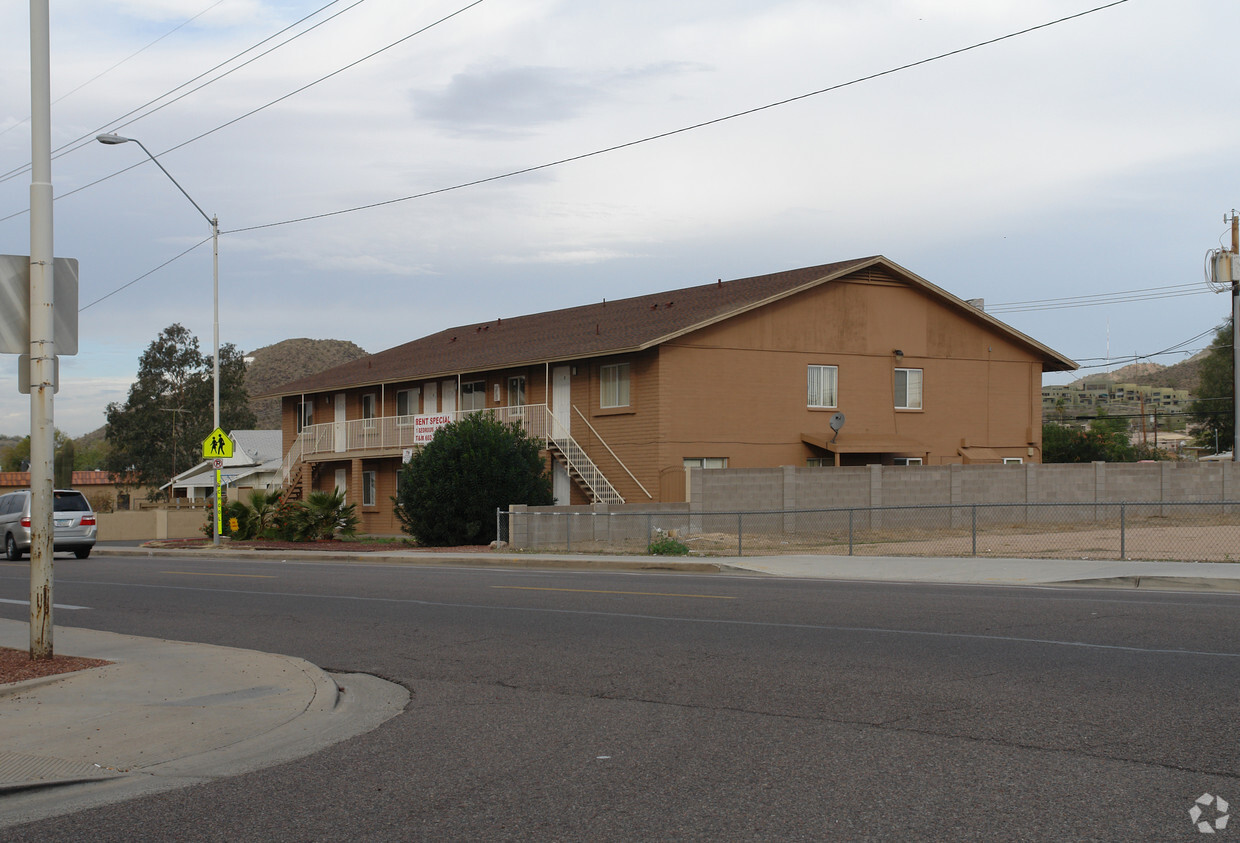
(906, 461)
(370, 403)
(410, 398)
(706, 462)
(1013, 461)
(516, 391)
(614, 385)
(305, 414)
(913, 387)
(370, 487)
(471, 392)
(822, 386)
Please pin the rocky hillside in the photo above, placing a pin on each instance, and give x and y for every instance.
(271, 366)
(1182, 375)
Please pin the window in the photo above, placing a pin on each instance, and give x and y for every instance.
(614, 380)
(822, 381)
(908, 389)
(820, 462)
(407, 406)
(369, 488)
(1013, 461)
(473, 396)
(368, 410)
(706, 462)
(906, 460)
(305, 414)
(516, 391)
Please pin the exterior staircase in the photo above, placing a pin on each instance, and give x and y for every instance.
(583, 470)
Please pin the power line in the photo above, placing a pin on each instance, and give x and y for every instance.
(254, 111)
(683, 129)
(595, 153)
(1119, 297)
(88, 138)
(134, 54)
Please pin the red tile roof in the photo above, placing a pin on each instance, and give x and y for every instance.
(609, 327)
(21, 479)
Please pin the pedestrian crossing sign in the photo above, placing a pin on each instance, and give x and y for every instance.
(217, 445)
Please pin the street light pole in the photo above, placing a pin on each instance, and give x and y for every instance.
(112, 139)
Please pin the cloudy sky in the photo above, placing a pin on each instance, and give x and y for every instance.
(1095, 157)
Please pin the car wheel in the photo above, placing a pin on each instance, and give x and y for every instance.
(82, 552)
(11, 552)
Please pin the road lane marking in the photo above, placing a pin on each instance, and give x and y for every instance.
(603, 591)
(212, 574)
(54, 605)
(733, 622)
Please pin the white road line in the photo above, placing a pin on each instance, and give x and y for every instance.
(54, 605)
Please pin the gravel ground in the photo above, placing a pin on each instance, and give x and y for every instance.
(17, 666)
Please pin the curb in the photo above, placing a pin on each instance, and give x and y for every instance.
(654, 563)
(1158, 582)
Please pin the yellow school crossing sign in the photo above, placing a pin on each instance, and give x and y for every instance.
(217, 446)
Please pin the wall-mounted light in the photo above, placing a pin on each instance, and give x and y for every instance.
(899, 354)
(572, 370)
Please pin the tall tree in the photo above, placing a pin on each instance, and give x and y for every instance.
(159, 430)
(1213, 408)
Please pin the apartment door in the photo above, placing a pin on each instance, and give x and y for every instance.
(449, 398)
(430, 399)
(341, 428)
(561, 402)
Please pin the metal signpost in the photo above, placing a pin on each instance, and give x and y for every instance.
(217, 447)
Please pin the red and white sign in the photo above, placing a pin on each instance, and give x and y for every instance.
(424, 427)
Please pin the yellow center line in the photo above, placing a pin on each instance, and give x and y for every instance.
(206, 574)
(601, 591)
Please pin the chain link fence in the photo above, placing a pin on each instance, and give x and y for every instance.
(1202, 532)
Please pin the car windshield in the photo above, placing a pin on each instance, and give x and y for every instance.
(70, 502)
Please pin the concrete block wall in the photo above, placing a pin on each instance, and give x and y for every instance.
(789, 488)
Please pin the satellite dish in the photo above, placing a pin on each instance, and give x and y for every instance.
(837, 421)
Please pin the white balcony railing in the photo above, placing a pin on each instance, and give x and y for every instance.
(393, 434)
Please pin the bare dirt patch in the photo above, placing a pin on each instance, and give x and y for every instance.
(17, 666)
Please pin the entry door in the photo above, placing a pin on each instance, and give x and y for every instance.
(430, 400)
(561, 402)
(341, 436)
(341, 484)
(449, 398)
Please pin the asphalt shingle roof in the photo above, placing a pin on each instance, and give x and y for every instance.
(593, 330)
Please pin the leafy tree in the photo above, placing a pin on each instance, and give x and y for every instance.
(92, 456)
(448, 493)
(62, 465)
(1105, 440)
(159, 429)
(17, 457)
(1213, 408)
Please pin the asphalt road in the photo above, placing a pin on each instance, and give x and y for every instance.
(613, 706)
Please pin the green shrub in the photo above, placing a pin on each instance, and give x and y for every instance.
(665, 544)
(448, 493)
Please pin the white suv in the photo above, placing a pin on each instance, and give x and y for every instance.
(74, 520)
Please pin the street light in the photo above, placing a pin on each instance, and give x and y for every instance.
(112, 139)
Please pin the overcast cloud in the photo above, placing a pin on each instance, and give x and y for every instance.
(1094, 156)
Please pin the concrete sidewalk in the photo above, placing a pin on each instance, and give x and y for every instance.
(971, 570)
(165, 714)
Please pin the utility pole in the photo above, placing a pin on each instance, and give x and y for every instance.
(1235, 339)
(42, 326)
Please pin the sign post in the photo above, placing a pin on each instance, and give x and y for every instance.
(217, 447)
